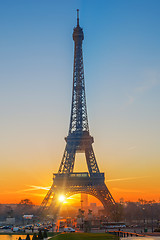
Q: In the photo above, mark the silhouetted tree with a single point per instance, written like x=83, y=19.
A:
x=40, y=235
x=28, y=237
x=45, y=234
x=25, y=207
x=34, y=236
x=26, y=202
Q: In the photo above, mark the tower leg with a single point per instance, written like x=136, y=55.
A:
x=68, y=159
x=91, y=160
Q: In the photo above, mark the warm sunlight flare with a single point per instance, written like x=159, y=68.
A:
x=61, y=198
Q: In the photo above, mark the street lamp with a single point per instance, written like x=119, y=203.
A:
x=144, y=217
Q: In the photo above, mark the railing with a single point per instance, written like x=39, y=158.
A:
x=125, y=234
x=84, y=174
x=77, y=178
x=80, y=174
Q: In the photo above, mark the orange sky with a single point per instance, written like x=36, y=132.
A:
x=25, y=181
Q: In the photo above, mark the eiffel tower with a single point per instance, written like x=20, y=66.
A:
x=66, y=181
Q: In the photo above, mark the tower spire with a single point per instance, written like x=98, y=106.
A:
x=77, y=17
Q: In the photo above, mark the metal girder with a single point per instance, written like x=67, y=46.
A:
x=47, y=200
x=79, y=119
x=76, y=143
x=91, y=160
x=68, y=159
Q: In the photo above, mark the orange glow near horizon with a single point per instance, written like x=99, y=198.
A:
x=129, y=190
x=128, y=174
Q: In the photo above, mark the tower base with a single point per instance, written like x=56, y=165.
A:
x=74, y=183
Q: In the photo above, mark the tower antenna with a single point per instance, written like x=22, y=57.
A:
x=77, y=17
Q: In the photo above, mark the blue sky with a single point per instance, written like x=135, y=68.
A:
x=122, y=62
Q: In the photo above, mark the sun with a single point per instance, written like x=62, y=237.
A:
x=61, y=198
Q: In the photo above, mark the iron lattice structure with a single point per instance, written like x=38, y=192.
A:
x=78, y=139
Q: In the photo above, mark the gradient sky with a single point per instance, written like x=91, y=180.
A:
x=122, y=72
